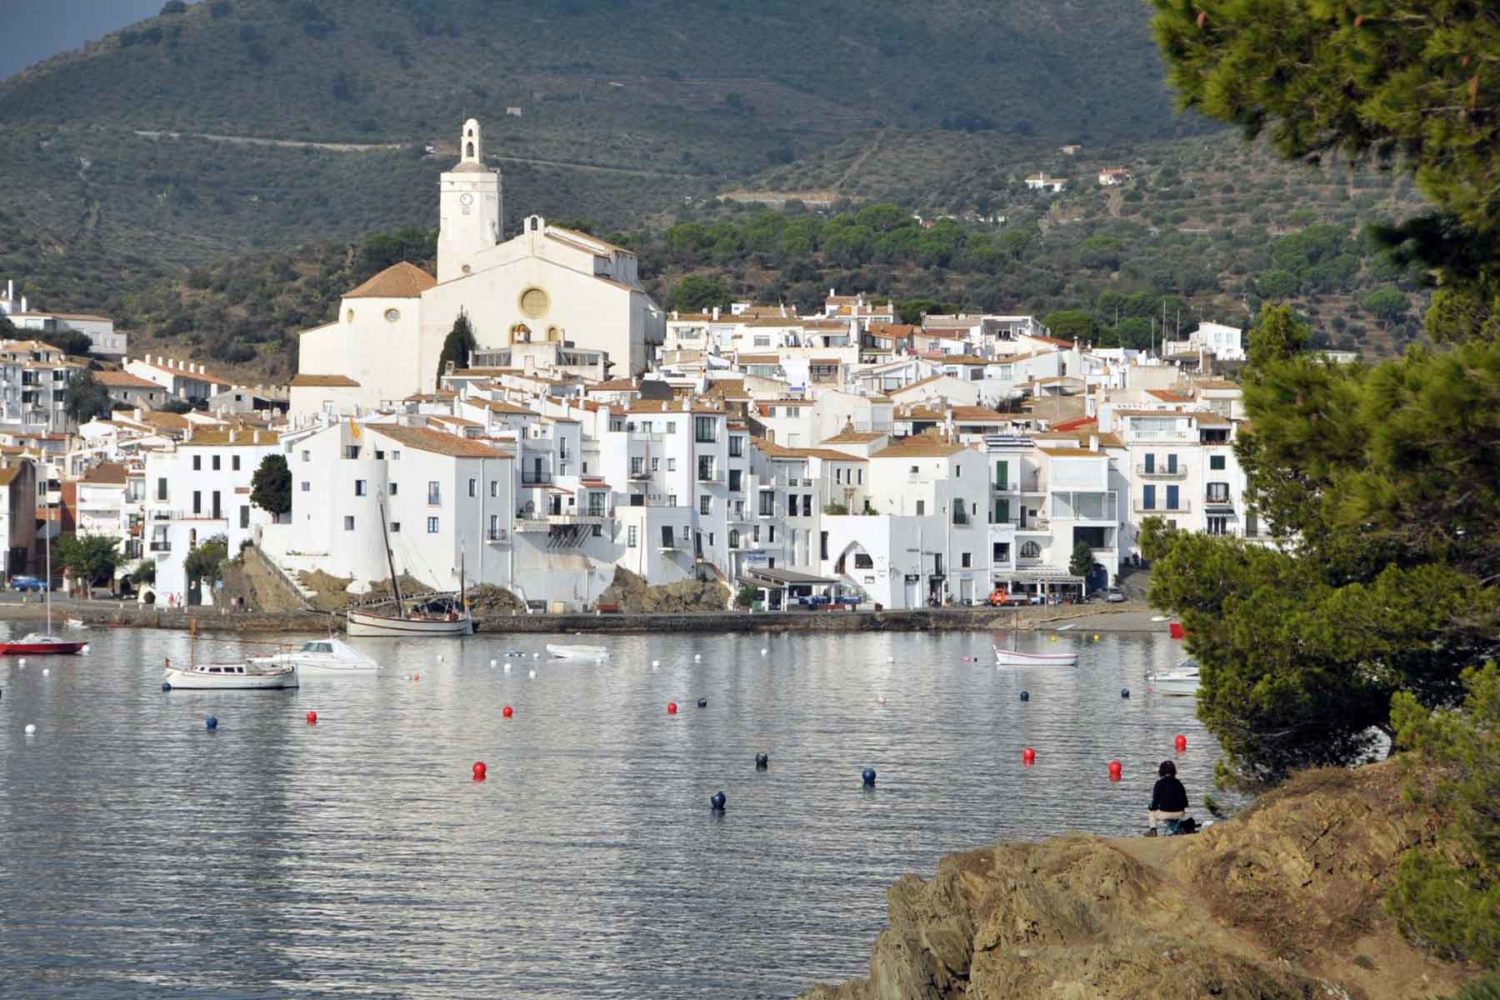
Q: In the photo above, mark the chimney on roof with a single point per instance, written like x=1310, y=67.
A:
x=1093, y=442
x=255, y=436
x=231, y=435
x=716, y=314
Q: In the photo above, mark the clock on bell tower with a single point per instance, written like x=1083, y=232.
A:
x=469, y=207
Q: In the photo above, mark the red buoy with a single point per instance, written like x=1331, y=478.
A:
x=1115, y=770
x=671, y=708
x=1180, y=743
x=479, y=770
x=312, y=718
x=1028, y=756
x=507, y=711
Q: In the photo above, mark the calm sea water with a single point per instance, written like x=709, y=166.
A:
x=141, y=855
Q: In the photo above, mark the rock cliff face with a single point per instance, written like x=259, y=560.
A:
x=1281, y=902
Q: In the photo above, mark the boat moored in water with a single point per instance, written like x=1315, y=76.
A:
x=245, y=675
x=1016, y=658
x=562, y=652
x=321, y=656
x=417, y=624
x=1182, y=680
x=41, y=644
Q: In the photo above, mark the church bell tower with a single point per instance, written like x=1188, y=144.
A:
x=470, y=207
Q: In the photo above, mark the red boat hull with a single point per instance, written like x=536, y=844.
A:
x=39, y=648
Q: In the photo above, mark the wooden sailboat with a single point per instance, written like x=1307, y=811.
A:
x=410, y=622
x=43, y=643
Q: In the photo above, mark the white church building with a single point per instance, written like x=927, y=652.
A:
x=544, y=285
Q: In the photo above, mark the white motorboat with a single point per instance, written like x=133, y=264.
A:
x=1182, y=680
x=1016, y=658
x=321, y=656
x=246, y=675
x=561, y=652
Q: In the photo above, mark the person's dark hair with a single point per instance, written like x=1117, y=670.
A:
x=1167, y=769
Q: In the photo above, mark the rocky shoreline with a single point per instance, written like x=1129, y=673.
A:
x=1085, y=619
x=1283, y=902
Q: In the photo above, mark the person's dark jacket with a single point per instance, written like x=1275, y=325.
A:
x=1169, y=796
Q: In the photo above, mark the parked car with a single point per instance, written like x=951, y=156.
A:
x=29, y=584
x=1114, y=595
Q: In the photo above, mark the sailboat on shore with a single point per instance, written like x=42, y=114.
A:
x=415, y=622
x=43, y=643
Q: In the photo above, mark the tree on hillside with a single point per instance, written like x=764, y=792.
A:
x=7, y=328
x=271, y=486
x=1381, y=484
x=1450, y=898
x=86, y=399
x=696, y=293
x=457, y=346
x=68, y=341
x=91, y=559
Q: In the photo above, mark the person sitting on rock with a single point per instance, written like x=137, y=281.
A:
x=1169, y=800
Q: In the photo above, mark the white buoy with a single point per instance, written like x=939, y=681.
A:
x=536, y=656
x=493, y=662
x=531, y=674
x=46, y=672
x=23, y=661
x=880, y=699
x=30, y=728
x=655, y=663
x=85, y=649
x=764, y=651
x=440, y=657
x=507, y=668
x=890, y=659
x=697, y=657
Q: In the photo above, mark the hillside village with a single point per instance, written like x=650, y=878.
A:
x=798, y=459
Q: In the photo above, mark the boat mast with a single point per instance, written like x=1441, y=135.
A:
x=47, y=590
x=463, y=590
x=390, y=558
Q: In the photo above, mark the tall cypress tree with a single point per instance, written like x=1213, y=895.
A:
x=457, y=347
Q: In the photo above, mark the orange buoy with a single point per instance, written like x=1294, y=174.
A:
x=671, y=708
x=479, y=770
x=312, y=718
x=1116, y=771
x=1180, y=743
x=1028, y=756
x=507, y=711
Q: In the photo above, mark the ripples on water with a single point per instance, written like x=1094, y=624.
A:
x=141, y=855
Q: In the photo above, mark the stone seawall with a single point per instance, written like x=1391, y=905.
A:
x=1107, y=618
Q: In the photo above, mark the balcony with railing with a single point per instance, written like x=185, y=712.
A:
x=497, y=536
x=1161, y=471
x=161, y=546
x=1217, y=498
x=1161, y=506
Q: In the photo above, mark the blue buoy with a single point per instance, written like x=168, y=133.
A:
x=212, y=722
x=166, y=685
x=1124, y=692
x=869, y=777
x=762, y=761
x=702, y=702
x=1025, y=695
x=717, y=802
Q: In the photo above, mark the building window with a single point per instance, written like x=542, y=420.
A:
x=244, y=515
x=671, y=465
x=348, y=522
x=306, y=455
x=632, y=536
x=736, y=445
x=473, y=487
x=822, y=545
x=1148, y=498
x=434, y=494
x=767, y=503
x=234, y=463
x=1030, y=550
x=395, y=527
x=395, y=454
x=1173, y=498
x=705, y=430
x=1218, y=525
x=770, y=534
x=306, y=486
x=351, y=451
x=494, y=488
x=197, y=502
x=395, y=488
x=432, y=525
x=656, y=465
x=161, y=488
x=671, y=427
x=359, y=488
x=705, y=505
x=965, y=560
x=1216, y=463
x=197, y=463
x=706, y=468
x=734, y=538
x=921, y=508
x=1218, y=492
x=734, y=480
x=214, y=460
x=636, y=465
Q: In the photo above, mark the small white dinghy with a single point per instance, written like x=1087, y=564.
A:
x=561, y=652
x=247, y=676
x=1016, y=658
x=321, y=656
x=1182, y=680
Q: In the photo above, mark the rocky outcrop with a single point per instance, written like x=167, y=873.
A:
x=1282, y=902
x=633, y=595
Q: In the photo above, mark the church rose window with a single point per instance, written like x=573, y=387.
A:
x=534, y=302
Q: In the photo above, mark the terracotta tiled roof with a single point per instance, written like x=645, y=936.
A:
x=304, y=380
x=124, y=380
x=8, y=474
x=850, y=436
x=106, y=473
x=230, y=437
x=426, y=439
x=399, y=281
x=977, y=414
x=920, y=446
